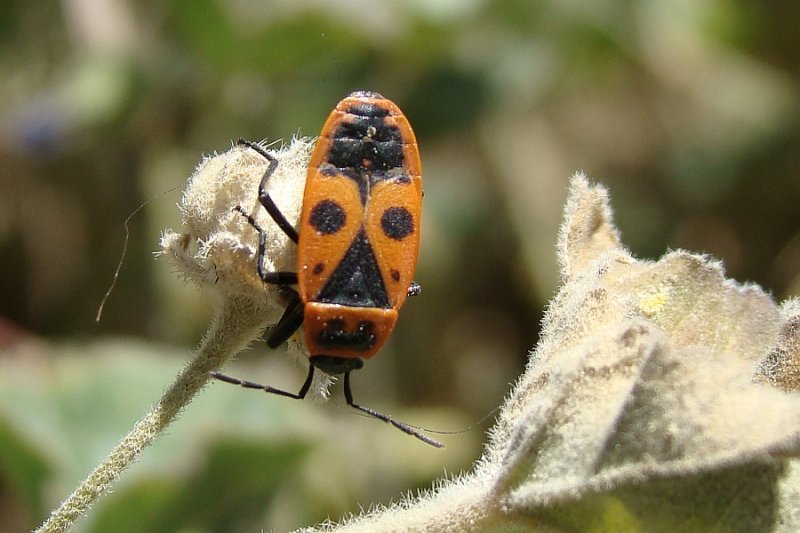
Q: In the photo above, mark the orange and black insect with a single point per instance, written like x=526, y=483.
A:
x=357, y=244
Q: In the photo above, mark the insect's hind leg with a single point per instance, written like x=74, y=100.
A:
x=263, y=196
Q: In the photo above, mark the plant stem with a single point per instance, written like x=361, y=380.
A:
x=238, y=322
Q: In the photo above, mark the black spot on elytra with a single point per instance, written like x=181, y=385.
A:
x=395, y=275
x=327, y=217
x=397, y=223
x=318, y=269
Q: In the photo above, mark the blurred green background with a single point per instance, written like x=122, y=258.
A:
x=688, y=111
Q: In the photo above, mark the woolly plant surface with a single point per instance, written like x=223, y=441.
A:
x=659, y=398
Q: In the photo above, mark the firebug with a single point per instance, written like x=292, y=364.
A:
x=358, y=241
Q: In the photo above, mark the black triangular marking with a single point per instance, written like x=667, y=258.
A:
x=357, y=280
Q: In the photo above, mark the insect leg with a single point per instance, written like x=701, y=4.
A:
x=289, y=323
x=414, y=289
x=263, y=195
x=277, y=278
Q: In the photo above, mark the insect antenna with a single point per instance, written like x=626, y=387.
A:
x=348, y=394
x=402, y=426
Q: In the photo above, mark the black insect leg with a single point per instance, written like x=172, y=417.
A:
x=414, y=289
x=276, y=278
x=290, y=322
x=266, y=388
x=263, y=195
x=405, y=428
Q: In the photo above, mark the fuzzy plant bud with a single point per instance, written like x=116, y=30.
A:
x=639, y=408
x=781, y=366
x=218, y=247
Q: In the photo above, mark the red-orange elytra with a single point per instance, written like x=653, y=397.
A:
x=358, y=241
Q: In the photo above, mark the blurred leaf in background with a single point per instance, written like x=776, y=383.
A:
x=688, y=111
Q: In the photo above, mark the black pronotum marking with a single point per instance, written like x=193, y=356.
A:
x=397, y=223
x=327, y=217
x=334, y=335
x=357, y=280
